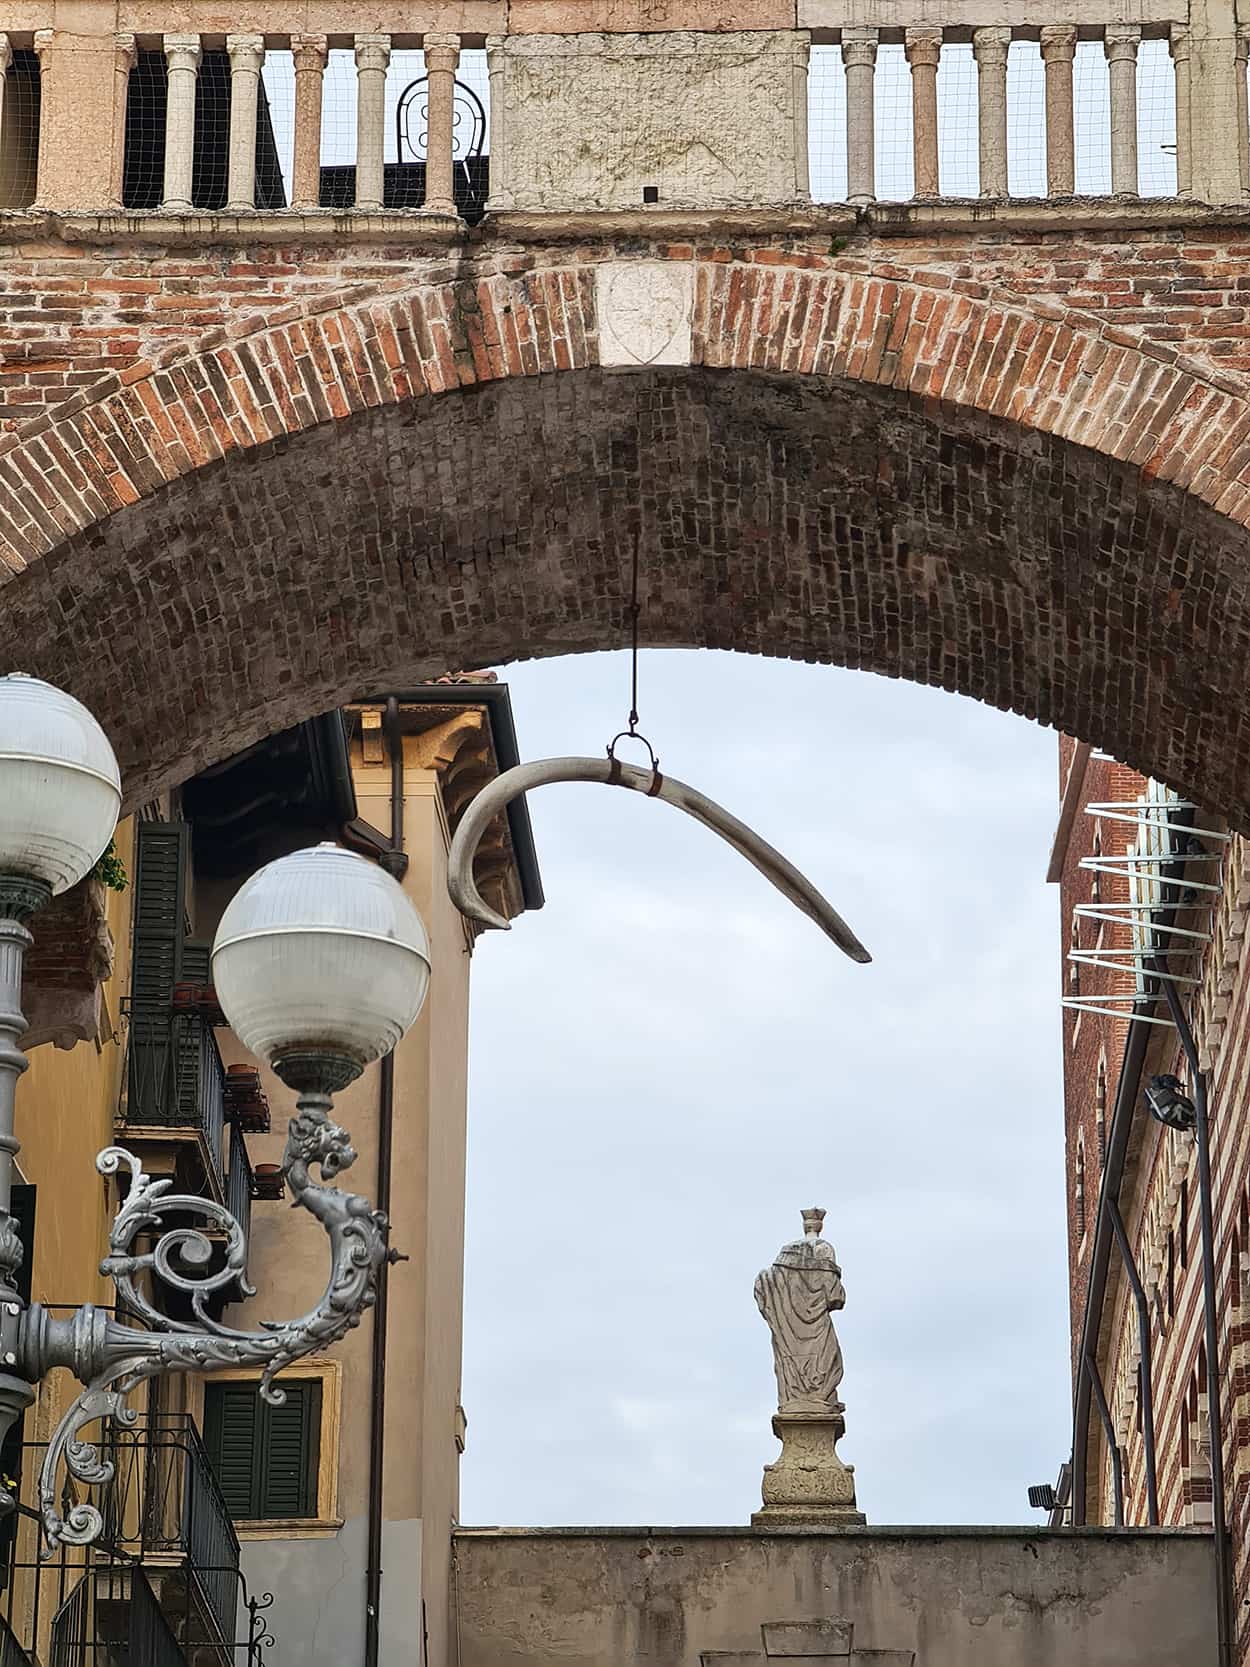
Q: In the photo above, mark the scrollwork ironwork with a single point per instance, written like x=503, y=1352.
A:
x=111, y=1359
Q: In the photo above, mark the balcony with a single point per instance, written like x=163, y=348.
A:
x=161, y=1589
x=175, y=1093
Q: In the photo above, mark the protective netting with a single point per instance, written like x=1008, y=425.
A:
x=19, y=132
x=404, y=130
x=146, y=118
x=404, y=148
x=959, y=171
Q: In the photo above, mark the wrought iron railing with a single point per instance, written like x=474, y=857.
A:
x=240, y=1184
x=164, y=1499
x=175, y=1078
x=11, y=1652
x=152, y=1643
x=162, y=1586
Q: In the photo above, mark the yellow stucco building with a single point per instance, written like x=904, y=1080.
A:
x=341, y=1503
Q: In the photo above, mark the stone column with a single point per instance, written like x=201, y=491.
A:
x=182, y=59
x=1120, y=43
x=126, y=54
x=1058, y=51
x=6, y=58
x=989, y=48
x=442, y=59
x=373, y=55
x=859, y=54
x=1178, y=46
x=1243, y=104
x=924, y=48
x=247, y=54
x=309, y=53
x=45, y=51
x=499, y=197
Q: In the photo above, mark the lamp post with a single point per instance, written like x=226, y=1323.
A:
x=321, y=964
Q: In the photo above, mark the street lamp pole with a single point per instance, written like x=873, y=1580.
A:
x=321, y=964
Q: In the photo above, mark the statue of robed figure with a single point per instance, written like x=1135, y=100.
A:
x=809, y=1484
x=796, y=1295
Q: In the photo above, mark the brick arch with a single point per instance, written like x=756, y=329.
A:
x=171, y=516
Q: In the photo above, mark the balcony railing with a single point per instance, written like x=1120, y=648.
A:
x=112, y=1615
x=161, y=1588
x=908, y=102
x=164, y=1500
x=240, y=1183
x=175, y=1078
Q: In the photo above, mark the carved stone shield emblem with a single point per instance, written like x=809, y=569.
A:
x=644, y=312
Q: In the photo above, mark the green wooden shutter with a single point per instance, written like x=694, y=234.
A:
x=162, y=862
x=196, y=957
x=265, y=1457
x=231, y=1432
x=161, y=865
x=289, y=1453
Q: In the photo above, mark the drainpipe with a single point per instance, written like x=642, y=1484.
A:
x=1219, y=1522
x=395, y=862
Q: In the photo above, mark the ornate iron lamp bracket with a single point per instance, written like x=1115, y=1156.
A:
x=111, y=1358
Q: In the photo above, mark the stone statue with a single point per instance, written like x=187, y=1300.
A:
x=796, y=1295
x=808, y=1485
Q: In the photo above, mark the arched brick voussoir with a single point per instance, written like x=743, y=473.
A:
x=1058, y=372
x=1046, y=368
x=121, y=440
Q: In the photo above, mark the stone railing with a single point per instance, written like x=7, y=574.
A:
x=672, y=118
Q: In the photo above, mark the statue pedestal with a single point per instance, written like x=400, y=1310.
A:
x=809, y=1486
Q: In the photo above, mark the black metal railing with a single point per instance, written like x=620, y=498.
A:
x=11, y=1652
x=112, y=1616
x=146, y=1594
x=165, y=1500
x=152, y=1643
x=240, y=1184
x=174, y=1077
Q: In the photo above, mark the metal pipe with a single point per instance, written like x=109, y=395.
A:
x=1219, y=1521
x=1143, y=1371
x=395, y=862
x=1113, y=1446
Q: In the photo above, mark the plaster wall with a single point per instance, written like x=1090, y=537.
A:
x=930, y=1597
x=317, y=1569
x=589, y=121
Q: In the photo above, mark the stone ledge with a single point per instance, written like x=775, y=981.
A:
x=441, y=231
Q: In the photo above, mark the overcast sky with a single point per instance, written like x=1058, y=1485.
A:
x=669, y=1062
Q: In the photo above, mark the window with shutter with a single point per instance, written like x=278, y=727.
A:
x=265, y=1457
x=161, y=866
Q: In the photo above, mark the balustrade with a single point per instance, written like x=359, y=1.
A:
x=280, y=109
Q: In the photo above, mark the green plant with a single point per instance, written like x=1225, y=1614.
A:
x=110, y=870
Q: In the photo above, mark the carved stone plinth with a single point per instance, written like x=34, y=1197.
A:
x=809, y=1486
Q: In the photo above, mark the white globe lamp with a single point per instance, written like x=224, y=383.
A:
x=320, y=963
x=60, y=791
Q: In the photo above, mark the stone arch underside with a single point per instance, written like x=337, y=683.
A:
x=810, y=517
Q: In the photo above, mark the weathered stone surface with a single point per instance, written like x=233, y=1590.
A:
x=953, y=1597
x=644, y=310
x=597, y=120
x=809, y=1485
x=807, y=1638
x=555, y=17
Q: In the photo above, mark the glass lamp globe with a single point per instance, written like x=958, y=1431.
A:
x=60, y=788
x=320, y=963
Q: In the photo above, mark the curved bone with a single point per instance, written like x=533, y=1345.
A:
x=525, y=777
